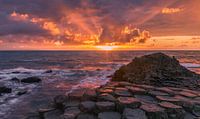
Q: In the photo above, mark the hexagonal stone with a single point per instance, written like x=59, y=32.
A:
x=76, y=95
x=55, y=114
x=136, y=90
x=158, y=93
x=71, y=113
x=165, y=89
x=109, y=115
x=87, y=106
x=123, y=84
x=188, y=94
x=105, y=106
x=169, y=105
x=107, y=97
x=146, y=99
x=189, y=116
x=148, y=87
x=72, y=104
x=86, y=116
x=105, y=91
x=168, y=99
x=174, y=111
x=129, y=113
x=154, y=111
x=128, y=102
x=90, y=95
x=196, y=110
x=122, y=92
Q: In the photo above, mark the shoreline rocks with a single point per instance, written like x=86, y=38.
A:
x=159, y=70
x=150, y=87
x=136, y=106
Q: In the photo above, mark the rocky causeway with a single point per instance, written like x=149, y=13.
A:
x=154, y=86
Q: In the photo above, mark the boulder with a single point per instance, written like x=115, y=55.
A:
x=4, y=89
x=55, y=114
x=127, y=102
x=157, y=69
x=105, y=106
x=15, y=79
x=154, y=111
x=107, y=97
x=109, y=115
x=59, y=101
x=86, y=116
x=129, y=113
x=31, y=80
x=87, y=106
x=71, y=113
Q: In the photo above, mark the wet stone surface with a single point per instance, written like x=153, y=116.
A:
x=126, y=101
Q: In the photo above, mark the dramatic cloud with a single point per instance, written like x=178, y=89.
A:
x=94, y=22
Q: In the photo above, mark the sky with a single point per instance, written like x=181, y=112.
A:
x=93, y=24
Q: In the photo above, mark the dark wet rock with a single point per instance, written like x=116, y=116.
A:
x=107, y=97
x=124, y=83
x=188, y=94
x=86, y=116
x=136, y=90
x=122, y=92
x=55, y=114
x=76, y=95
x=166, y=90
x=128, y=102
x=22, y=91
x=31, y=80
x=174, y=111
x=16, y=72
x=105, y=106
x=158, y=93
x=48, y=71
x=59, y=101
x=71, y=113
x=168, y=99
x=105, y=91
x=15, y=79
x=72, y=104
x=33, y=116
x=4, y=89
x=87, y=106
x=196, y=110
x=146, y=99
x=157, y=69
x=129, y=113
x=154, y=111
x=189, y=116
x=109, y=115
x=90, y=95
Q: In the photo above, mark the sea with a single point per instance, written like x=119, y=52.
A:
x=62, y=72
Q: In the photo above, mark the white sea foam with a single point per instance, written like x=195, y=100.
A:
x=190, y=65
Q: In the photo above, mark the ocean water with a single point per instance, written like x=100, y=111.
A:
x=70, y=70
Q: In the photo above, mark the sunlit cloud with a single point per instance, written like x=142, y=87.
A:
x=171, y=10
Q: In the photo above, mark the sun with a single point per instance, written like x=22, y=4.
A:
x=107, y=48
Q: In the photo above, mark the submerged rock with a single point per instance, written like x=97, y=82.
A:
x=157, y=69
x=31, y=80
x=4, y=89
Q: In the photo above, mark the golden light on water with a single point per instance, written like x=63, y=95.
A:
x=107, y=48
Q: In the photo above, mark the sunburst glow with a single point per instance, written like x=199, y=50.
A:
x=108, y=48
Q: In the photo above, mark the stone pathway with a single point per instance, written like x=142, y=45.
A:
x=123, y=100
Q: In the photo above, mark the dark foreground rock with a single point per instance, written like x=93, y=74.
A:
x=157, y=69
x=152, y=87
x=31, y=80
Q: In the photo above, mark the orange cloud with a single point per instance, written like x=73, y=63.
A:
x=19, y=17
x=171, y=10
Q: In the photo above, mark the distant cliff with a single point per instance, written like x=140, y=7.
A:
x=157, y=69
